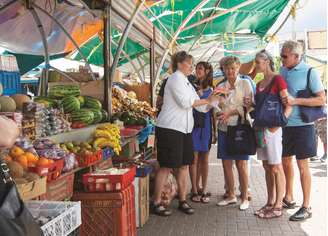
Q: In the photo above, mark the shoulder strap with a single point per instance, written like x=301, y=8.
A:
x=269, y=87
x=308, y=78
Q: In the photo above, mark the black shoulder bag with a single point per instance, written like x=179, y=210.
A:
x=310, y=114
x=15, y=219
x=241, y=138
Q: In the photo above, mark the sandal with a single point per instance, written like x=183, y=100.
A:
x=263, y=209
x=194, y=197
x=270, y=214
x=200, y=192
x=161, y=210
x=186, y=208
x=288, y=204
x=205, y=198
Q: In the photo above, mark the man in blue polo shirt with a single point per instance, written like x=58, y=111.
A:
x=299, y=137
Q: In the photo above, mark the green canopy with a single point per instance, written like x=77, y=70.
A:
x=93, y=50
x=28, y=62
x=252, y=20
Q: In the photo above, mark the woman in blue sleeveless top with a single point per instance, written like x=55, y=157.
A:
x=202, y=136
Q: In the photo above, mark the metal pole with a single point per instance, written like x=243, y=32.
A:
x=152, y=67
x=131, y=62
x=201, y=34
x=68, y=35
x=43, y=81
x=107, y=53
x=176, y=34
x=246, y=3
x=124, y=37
x=143, y=71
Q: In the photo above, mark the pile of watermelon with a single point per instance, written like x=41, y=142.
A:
x=84, y=110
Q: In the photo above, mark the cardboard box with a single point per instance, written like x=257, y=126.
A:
x=32, y=189
x=142, y=91
x=141, y=185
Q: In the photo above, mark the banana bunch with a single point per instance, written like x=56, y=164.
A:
x=108, y=135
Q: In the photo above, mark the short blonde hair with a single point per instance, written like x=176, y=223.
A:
x=229, y=60
x=294, y=47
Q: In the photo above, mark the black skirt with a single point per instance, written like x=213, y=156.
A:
x=174, y=148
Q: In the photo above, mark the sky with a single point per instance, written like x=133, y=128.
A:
x=312, y=16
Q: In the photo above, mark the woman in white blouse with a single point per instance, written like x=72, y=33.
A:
x=173, y=131
x=236, y=89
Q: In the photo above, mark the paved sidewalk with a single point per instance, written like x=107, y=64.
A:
x=212, y=220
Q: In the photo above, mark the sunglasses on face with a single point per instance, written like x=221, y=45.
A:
x=283, y=56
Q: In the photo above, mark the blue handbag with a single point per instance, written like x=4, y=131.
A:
x=269, y=110
x=310, y=114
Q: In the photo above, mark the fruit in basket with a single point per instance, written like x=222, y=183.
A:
x=104, y=115
x=61, y=91
x=16, y=151
x=84, y=115
x=20, y=99
x=81, y=100
x=22, y=160
x=44, y=162
x=97, y=116
x=15, y=169
x=69, y=145
x=91, y=102
x=70, y=104
x=48, y=102
x=7, y=104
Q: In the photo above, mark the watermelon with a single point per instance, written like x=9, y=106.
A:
x=93, y=103
x=104, y=115
x=85, y=116
x=61, y=91
x=97, y=115
x=70, y=104
x=81, y=99
x=48, y=102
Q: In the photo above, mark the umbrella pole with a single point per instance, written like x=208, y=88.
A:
x=152, y=67
x=68, y=35
x=124, y=37
x=107, y=58
x=43, y=81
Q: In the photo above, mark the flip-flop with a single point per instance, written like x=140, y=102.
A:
x=288, y=204
x=270, y=214
x=263, y=209
x=205, y=198
x=193, y=197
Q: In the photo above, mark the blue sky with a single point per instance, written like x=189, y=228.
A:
x=312, y=16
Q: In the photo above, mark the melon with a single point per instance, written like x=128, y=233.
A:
x=20, y=99
x=7, y=104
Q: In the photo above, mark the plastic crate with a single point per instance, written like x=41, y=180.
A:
x=52, y=172
x=89, y=160
x=10, y=82
x=60, y=189
x=67, y=216
x=94, y=182
x=108, y=213
x=127, y=132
